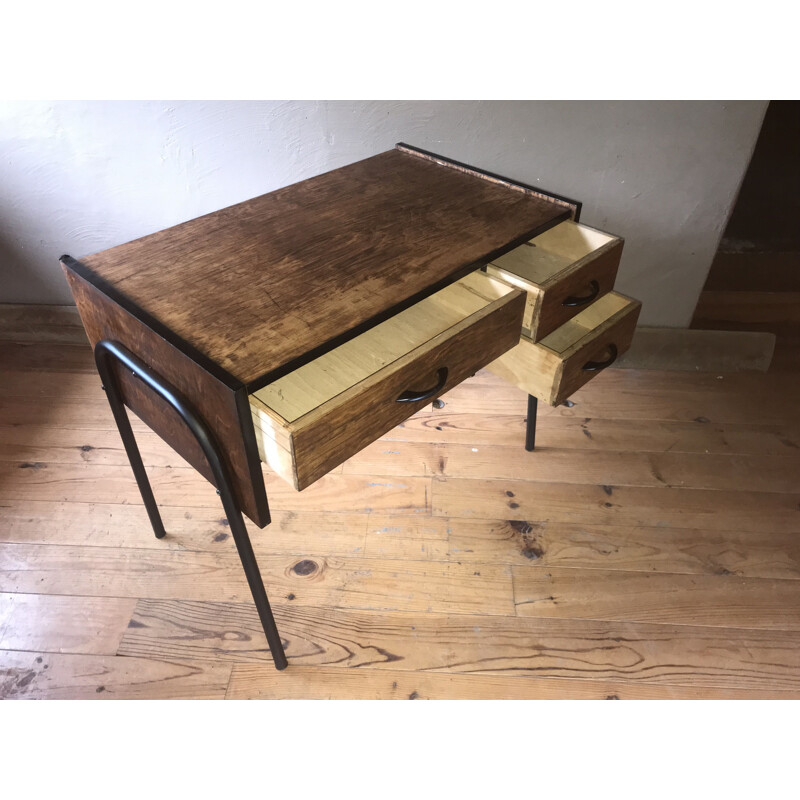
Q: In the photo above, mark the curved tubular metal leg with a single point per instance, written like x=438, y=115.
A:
x=107, y=351
x=530, y=426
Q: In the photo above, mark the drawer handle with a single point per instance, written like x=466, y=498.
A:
x=413, y=396
x=596, y=366
x=573, y=301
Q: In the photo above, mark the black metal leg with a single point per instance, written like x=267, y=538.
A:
x=530, y=427
x=257, y=589
x=106, y=351
x=134, y=456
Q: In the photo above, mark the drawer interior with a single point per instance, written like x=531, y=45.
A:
x=328, y=376
x=543, y=258
x=586, y=325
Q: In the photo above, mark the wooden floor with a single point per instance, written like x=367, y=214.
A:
x=755, y=291
x=649, y=548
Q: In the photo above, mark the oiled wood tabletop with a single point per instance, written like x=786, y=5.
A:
x=262, y=286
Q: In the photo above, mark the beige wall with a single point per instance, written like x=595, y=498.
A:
x=78, y=177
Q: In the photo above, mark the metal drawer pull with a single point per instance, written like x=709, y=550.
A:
x=413, y=396
x=596, y=366
x=573, y=301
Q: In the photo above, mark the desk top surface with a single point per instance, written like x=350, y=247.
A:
x=265, y=285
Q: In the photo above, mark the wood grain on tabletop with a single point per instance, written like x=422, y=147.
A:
x=361, y=241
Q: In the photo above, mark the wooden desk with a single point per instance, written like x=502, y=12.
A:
x=297, y=327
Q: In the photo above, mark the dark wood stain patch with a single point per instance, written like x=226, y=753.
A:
x=530, y=546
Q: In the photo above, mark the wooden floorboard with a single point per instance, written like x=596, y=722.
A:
x=60, y=445
x=616, y=505
x=58, y=676
x=45, y=355
x=648, y=549
x=260, y=682
x=44, y=383
x=606, y=467
x=727, y=601
x=749, y=306
x=587, y=433
x=748, y=271
x=125, y=525
x=693, y=551
x=637, y=653
x=657, y=399
x=89, y=625
x=35, y=323
x=756, y=291
x=308, y=579
x=186, y=488
x=82, y=413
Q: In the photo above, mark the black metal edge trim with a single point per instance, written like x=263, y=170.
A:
x=299, y=361
x=253, y=458
x=577, y=205
x=222, y=375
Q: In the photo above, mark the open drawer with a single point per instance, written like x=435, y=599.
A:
x=562, y=270
x=311, y=420
x=555, y=367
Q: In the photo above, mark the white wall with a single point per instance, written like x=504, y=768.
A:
x=78, y=177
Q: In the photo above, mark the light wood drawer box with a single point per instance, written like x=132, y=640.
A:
x=562, y=270
x=311, y=420
x=558, y=365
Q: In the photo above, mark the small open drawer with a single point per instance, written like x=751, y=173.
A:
x=311, y=420
x=555, y=367
x=562, y=270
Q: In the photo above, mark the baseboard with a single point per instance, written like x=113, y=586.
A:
x=699, y=350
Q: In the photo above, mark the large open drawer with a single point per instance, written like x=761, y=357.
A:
x=311, y=420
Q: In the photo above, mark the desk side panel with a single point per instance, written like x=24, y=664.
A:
x=218, y=404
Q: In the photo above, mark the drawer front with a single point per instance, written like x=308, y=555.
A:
x=587, y=282
x=563, y=271
x=571, y=356
x=321, y=439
